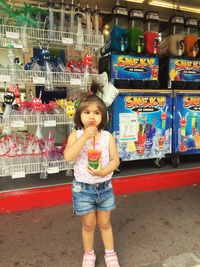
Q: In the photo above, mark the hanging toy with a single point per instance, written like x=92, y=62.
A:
x=87, y=62
x=9, y=98
x=17, y=95
x=72, y=8
x=37, y=107
x=96, y=20
x=11, y=63
x=80, y=37
x=88, y=12
x=51, y=20
x=46, y=57
x=70, y=109
x=33, y=65
x=62, y=16
x=48, y=146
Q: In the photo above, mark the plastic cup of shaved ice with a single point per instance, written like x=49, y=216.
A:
x=93, y=158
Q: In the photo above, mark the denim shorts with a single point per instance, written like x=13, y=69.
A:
x=90, y=197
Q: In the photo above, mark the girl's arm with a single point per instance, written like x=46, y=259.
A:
x=75, y=145
x=114, y=160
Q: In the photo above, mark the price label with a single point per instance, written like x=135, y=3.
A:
x=18, y=45
x=39, y=80
x=5, y=78
x=75, y=81
x=67, y=40
x=12, y=35
x=52, y=170
x=17, y=124
x=16, y=175
x=51, y=123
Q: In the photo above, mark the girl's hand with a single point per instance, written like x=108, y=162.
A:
x=96, y=172
x=90, y=131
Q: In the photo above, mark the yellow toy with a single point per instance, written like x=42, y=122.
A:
x=70, y=109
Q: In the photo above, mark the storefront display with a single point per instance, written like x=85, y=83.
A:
x=54, y=59
x=142, y=124
x=49, y=57
x=186, y=126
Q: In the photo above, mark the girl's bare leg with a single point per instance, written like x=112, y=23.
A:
x=103, y=220
x=88, y=227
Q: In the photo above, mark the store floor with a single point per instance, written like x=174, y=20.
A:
x=154, y=229
x=127, y=169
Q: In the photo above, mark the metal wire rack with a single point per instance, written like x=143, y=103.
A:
x=70, y=80
x=55, y=38
x=47, y=120
x=20, y=170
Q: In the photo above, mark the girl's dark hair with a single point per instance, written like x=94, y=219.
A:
x=86, y=101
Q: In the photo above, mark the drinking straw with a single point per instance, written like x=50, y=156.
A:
x=93, y=139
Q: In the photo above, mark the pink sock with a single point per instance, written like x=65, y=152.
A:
x=89, y=252
x=109, y=251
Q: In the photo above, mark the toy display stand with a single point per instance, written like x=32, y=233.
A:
x=39, y=122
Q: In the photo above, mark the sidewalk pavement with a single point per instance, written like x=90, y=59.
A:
x=151, y=229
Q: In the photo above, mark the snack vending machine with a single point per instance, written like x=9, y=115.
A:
x=141, y=123
x=186, y=125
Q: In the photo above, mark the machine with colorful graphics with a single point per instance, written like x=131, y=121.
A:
x=136, y=31
x=183, y=74
x=183, y=68
x=186, y=125
x=129, y=71
x=117, y=40
x=142, y=124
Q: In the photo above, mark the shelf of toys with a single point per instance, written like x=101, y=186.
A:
x=42, y=56
x=73, y=80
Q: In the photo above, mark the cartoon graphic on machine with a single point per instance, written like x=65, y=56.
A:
x=142, y=126
x=151, y=33
x=117, y=39
x=136, y=31
x=186, y=130
x=182, y=73
x=131, y=71
x=185, y=70
x=172, y=43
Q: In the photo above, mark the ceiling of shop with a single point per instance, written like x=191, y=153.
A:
x=106, y=5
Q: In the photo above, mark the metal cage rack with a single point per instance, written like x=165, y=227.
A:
x=54, y=38
x=47, y=120
x=71, y=80
x=20, y=170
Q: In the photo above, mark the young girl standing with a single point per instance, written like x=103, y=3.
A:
x=93, y=198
